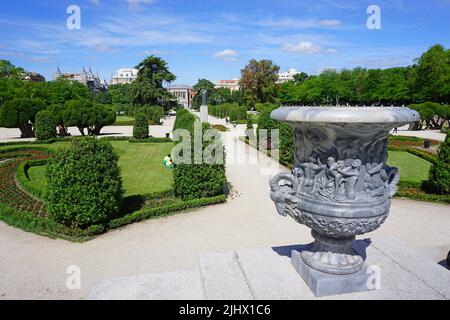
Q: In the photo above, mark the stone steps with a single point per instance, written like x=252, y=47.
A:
x=268, y=274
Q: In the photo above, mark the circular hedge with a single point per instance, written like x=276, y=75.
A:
x=84, y=183
x=140, y=127
x=45, y=125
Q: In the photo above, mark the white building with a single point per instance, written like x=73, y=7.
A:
x=182, y=93
x=124, y=75
x=287, y=76
x=233, y=84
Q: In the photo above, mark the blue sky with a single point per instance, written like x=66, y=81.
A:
x=214, y=39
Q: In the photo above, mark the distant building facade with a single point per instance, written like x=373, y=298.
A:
x=287, y=76
x=33, y=77
x=182, y=93
x=233, y=84
x=87, y=78
x=124, y=75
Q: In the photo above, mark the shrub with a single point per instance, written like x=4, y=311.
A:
x=249, y=130
x=234, y=115
x=84, y=183
x=193, y=180
x=45, y=125
x=140, y=127
x=439, y=176
x=285, y=134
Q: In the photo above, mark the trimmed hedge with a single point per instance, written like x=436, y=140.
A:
x=45, y=125
x=197, y=180
x=22, y=176
x=164, y=210
x=286, y=145
x=84, y=183
x=50, y=228
x=140, y=127
x=70, y=139
x=421, y=154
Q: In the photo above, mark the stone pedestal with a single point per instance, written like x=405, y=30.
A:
x=325, y=284
x=204, y=113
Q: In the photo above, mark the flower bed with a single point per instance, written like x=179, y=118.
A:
x=11, y=194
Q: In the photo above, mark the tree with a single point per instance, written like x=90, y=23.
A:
x=62, y=90
x=140, y=127
x=120, y=93
x=8, y=70
x=84, y=186
x=45, y=125
x=83, y=114
x=258, y=81
x=432, y=81
x=148, y=86
x=20, y=113
x=300, y=77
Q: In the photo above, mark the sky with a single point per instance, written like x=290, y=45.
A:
x=215, y=39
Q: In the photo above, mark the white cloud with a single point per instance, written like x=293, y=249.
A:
x=305, y=47
x=95, y=1
x=291, y=23
x=154, y=52
x=227, y=55
x=331, y=50
x=40, y=59
x=330, y=23
x=136, y=5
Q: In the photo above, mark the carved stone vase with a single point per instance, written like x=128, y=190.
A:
x=340, y=186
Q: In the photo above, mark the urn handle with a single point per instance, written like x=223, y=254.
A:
x=393, y=176
x=283, y=187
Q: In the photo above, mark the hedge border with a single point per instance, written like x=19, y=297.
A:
x=47, y=227
x=22, y=177
x=421, y=154
x=70, y=139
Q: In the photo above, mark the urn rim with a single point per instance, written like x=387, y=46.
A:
x=381, y=115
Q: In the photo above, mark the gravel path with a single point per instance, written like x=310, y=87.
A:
x=35, y=267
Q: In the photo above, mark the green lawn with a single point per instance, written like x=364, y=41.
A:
x=142, y=168
x=141, y=165
x=411, y=167
x=122, y=120
x=37, y=178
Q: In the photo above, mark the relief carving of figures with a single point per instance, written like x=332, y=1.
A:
x=350, y=177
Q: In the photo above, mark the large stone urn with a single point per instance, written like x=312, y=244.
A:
x=340, y=186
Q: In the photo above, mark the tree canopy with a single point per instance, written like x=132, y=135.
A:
x=148, y=87
x=258, y=81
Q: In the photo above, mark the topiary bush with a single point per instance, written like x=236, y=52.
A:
x=285, y=134
x=45, y=125
x=192, y=180
x=140, y=127
x=439, y=176
x=84, y=183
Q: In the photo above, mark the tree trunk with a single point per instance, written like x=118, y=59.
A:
x=81, y=129
x=96, y=130
x=26, y=130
